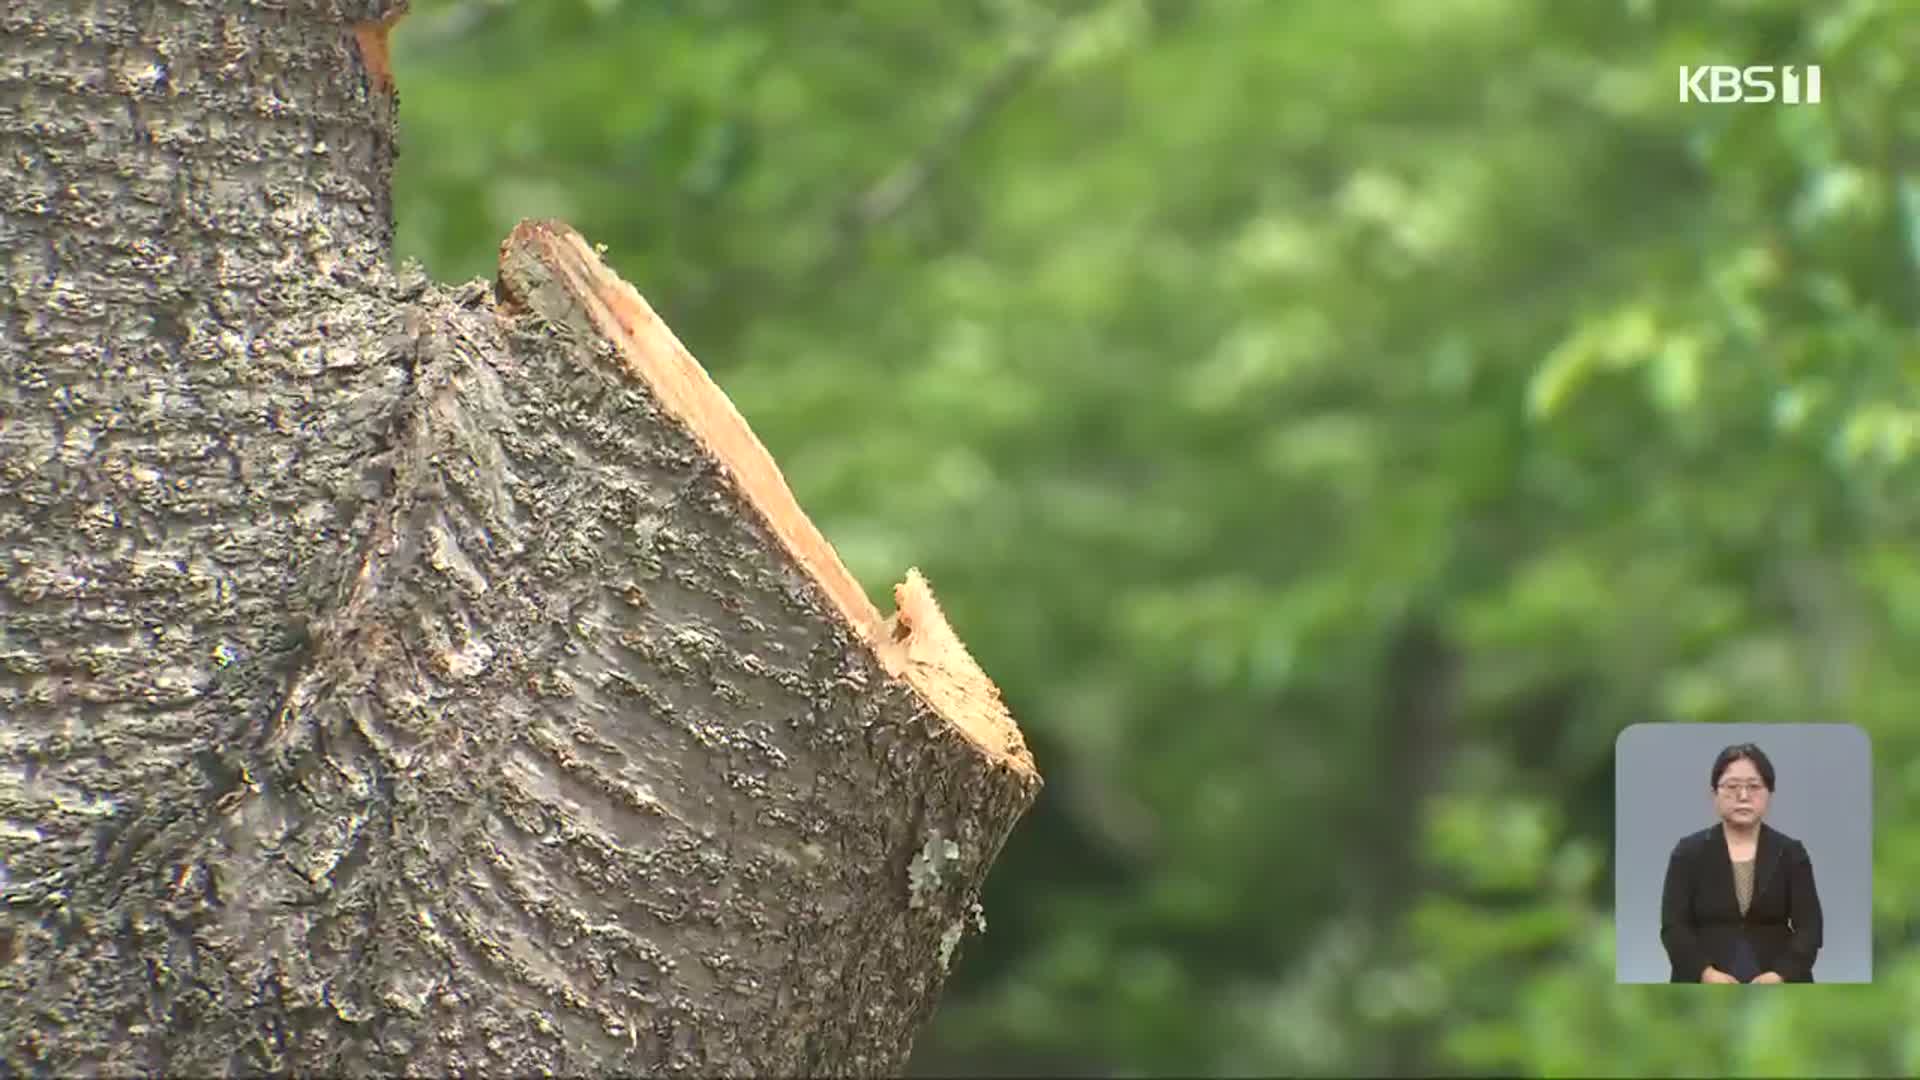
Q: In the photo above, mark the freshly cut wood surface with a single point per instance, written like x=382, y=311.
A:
x=548, y=268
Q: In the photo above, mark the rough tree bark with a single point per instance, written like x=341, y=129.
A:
x=413, y=679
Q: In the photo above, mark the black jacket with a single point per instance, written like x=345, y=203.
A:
x=1700, y=916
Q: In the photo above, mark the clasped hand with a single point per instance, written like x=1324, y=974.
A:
x=1715, y=975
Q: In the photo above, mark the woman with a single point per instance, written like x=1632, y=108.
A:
x=1739, y=904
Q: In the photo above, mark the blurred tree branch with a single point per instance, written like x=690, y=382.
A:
x=1035, y=40
x=893, y=192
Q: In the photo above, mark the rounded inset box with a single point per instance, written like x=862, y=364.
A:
x=1743, y=853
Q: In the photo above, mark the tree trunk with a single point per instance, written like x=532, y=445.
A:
x=415, y=680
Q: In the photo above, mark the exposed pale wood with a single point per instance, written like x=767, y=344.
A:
x=916, y=643
x=376, y=53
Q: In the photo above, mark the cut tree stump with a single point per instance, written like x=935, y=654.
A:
x=547, y=269
x=405, y=679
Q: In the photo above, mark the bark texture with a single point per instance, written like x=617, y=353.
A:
x=415, y=680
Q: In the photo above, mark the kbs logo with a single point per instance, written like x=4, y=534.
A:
x=1722, y=84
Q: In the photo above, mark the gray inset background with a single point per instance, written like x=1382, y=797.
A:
x=1823, y=797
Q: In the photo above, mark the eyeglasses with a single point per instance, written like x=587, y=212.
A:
x=1736, y=790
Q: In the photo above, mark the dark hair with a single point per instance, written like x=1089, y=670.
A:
x=1751, y=753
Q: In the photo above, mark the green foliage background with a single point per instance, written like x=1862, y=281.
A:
x=1330, y=423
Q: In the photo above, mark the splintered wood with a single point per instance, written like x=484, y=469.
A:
x=376, y=55
x=547, y=267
